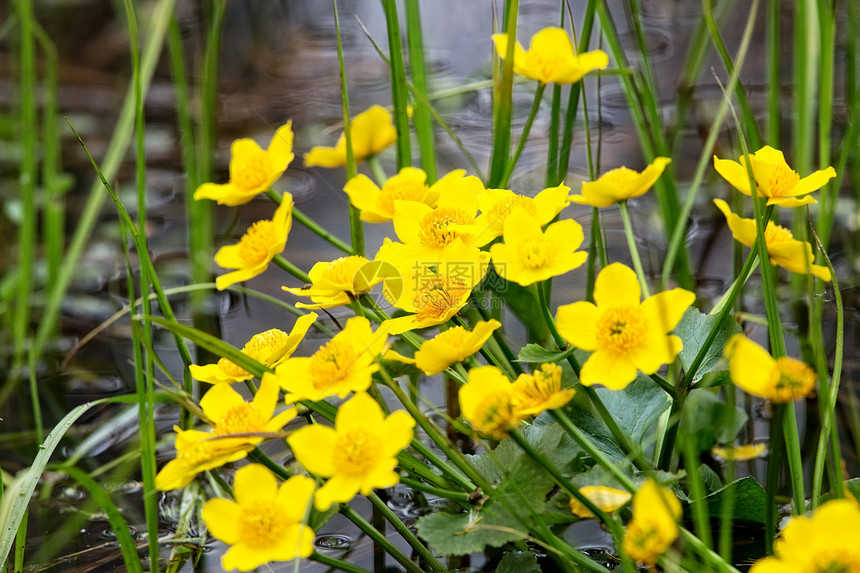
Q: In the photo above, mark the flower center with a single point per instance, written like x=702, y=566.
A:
x=644, y=542
x=495, y=415
x=256, y=242
x=232, y=369
x=197, y=453
x=263, y=347
x=455, y=337
x=330, y=363
x=399, y=188
x=262, y=523
x=621, y=328
x=836, y=561
x=782, y=179
x=774, y=233
x=500, y=211
x=438, y=296
x=541, y=384
x=433, y=229
x=355, y=452
x=239, y=419
x=535, y=252
x=792, y=379
x=251, y=171
x=619, y=177
x=546, y=63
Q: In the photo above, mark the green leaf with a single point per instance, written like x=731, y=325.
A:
x=521, y=302
x=537, y=354
x=637, y=407
x=693, y=330
x=463, y=533
x=750, y=500
x=518, y=562
x=708, y=421
x=710, y=479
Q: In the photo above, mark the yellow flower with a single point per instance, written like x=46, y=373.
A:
x=825, y=542
x=782, y=248
x=269, y=348
x=551, y=57
x=377, y=205
x=606, y=498
x=433, y=297
x=437, y=234
x=620, y=184
x=756, y=372
x=487, y=402
x=333, y=282
x=259, y=245
x=541, y=390
x=773, y=177
x=448, y=347
x=530, y=255
x=371, y=131
x=358, y=454
x=623, y=334
x=741, y=453
x=654, y=526
x=345, y=364
x=265, y=523
x=496, y=204
x=229, y=414
x=252, y=170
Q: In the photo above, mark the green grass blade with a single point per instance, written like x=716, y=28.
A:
x=117, y=522
x=18, y=495
x=398, y=84
x=503, y=91
x=421, y=114
x=774, y=74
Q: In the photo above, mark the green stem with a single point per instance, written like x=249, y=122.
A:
x=667, y=447
x=503, y=89
x=523, y=138
x=312, y=225
x=634, y=250
x=381, y=540
x=336, y=564
x=407, y=535
x=464, y=499
x=292, y=269
x=376, y=169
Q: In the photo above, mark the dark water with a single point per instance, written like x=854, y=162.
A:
x=279, y=62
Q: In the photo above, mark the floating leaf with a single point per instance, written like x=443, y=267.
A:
x=462, y=533
x=518, y=562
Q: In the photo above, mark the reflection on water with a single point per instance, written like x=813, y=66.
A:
x=279, y=62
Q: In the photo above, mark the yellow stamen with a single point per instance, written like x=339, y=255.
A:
x=331, y=362
x=232, y=369
x=433, y=229
x=356, y=451
x=251, y=171
x=437, y=296
x=535, y=251
x=239, y=419
x=781, y=181
x=621, y=328
x=401, y=188
x=262, y=523
x=256, y=242
x=792, y=379
x=500, y=211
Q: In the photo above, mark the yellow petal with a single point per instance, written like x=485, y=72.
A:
x=222, y=518
x=617, y=285
x=363, y=193
x=668, y=307
x=577, y=323
x=743, y=230
x=320, y=156
x=733, y=172
x=609, y=369
x=751, y=367
x=254, y=483
x=219, y=400
x=645, y=180
x=814, y=181
x=313, y=446
x=339, y=489
x=295, y=495
x=372, y=131
x=281, y=148
x=360, y=411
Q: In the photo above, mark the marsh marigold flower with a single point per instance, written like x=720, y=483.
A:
x=530, y=255
x=358, y=455
x=487, y=402
x=344, y=364
x=756, y=372
x=496, y=204
x=436, y=234
x=257, y=247
x=774, y=179
x=433, y=297
x=605, y=498
x=333, y=282
x=551, y=57
x=620, y=184
x=265, y=523
x=827, y=542
x=449, y=347
x=623, y=334
x=782, y=248
x=540, y=391
x=269, y=348
x=252, y=170
x=410, y=184
x=654, y=526
x=229, y=414
x=371, y=131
